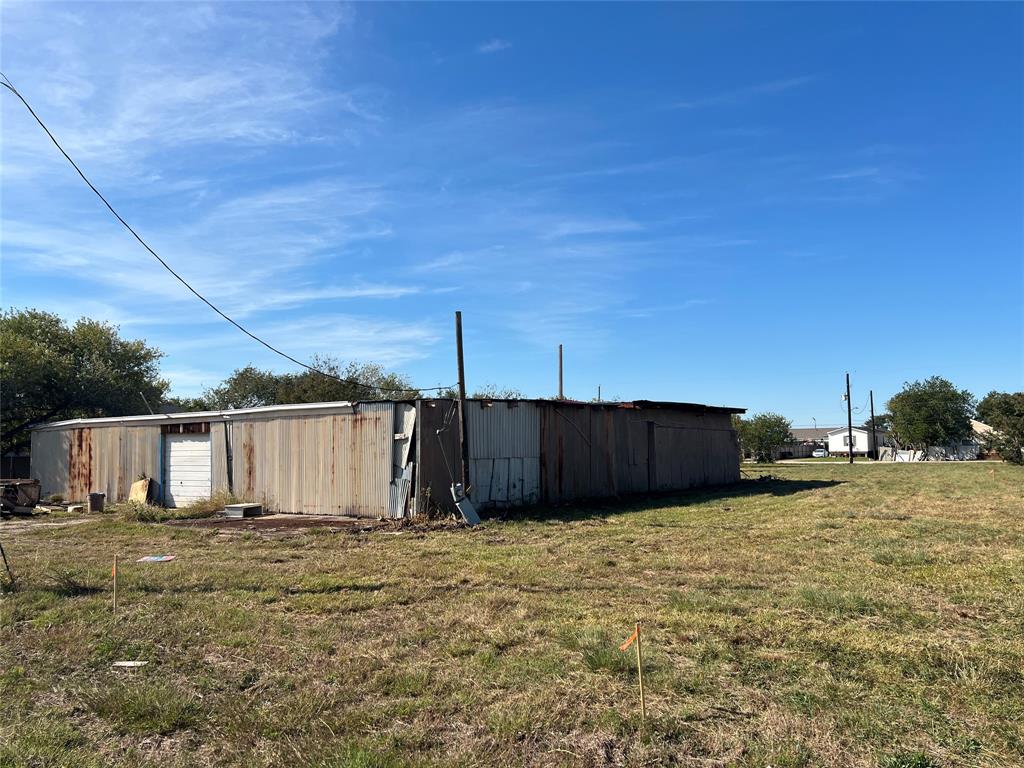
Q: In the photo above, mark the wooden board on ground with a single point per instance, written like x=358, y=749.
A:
x=140, y=490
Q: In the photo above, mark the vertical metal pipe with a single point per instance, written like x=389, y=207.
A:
x=873, y=441
x=561, y=392
x=849, y=419
x=463, y=439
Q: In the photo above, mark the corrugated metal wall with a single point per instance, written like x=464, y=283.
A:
x=76, y=462
x=338, y=464
x=438, y=457
x=504, y=452
x=49, y=463
x=345, y=462
x=590, y=451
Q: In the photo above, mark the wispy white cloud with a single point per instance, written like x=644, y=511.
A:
x=854, y=173
x=592, y=226
x=742, y=95
x=493, y=45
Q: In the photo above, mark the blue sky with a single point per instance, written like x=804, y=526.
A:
x=731, y=204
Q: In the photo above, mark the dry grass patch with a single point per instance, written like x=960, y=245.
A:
x=835, y=616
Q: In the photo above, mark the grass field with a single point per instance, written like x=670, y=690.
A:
x=835, y=616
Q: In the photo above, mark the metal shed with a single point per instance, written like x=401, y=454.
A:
x=524, y=452
x=321, y=458
x=390, y=458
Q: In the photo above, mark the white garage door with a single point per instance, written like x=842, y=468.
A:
x=188, y=469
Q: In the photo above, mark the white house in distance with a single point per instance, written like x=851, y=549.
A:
x=839, y=441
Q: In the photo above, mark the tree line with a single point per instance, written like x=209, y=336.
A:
x=922, y=415
x=51, y=370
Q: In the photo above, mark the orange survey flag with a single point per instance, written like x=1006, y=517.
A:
x=630, y=640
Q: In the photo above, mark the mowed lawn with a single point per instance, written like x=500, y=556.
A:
x=834, y=616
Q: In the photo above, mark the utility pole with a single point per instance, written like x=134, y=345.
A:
x=561, y=392
x=849, y=418
x=873, y=443
x=463, y=441
x=599, y=393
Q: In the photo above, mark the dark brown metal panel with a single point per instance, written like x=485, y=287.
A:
x=603, y=453
x=566, y=452
x=434, y=476
x=80, y=464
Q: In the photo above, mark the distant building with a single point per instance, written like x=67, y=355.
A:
x=801, y=445
x=816, y=435
x=839, y=441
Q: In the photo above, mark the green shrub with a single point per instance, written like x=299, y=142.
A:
x=137, y=511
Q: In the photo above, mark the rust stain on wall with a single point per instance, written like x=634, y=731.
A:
x=80, y=464
x=249, y=451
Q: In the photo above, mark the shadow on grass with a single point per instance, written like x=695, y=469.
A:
x=593, y=508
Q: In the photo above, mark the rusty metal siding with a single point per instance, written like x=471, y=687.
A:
x=80, y=464
x=76, y=462
x=504, y=452
x=336, y=464
x=590, y=451
x=438, y=460
x=120, y=456
x=49, y=463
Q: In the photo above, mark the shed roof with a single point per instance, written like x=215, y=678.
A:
x=299, y=409
x=292, y=409
x=663, y=404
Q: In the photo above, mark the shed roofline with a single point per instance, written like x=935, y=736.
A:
x=292, y=409
x=297, y=409
x=664, y=404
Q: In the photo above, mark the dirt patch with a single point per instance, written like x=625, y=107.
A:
x=23, y=524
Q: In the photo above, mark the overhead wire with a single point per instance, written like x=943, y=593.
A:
x=372, y=387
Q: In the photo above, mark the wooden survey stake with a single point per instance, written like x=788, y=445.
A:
x=114, y=574
x=635, y=638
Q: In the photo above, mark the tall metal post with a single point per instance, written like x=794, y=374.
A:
x=874, y=439
x=463, y=439
x=849, y=419
x=561, y=392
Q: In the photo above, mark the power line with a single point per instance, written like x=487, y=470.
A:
x=373, y=387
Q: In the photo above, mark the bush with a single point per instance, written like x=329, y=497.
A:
x=763, y=435
x=137, y=511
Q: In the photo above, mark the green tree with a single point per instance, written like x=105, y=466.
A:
x=930, y=413
x=50, y=371
x=494, y=392
x=247, y=387
x=1004, y=412
x=883, y=422
x=486, y=392
x=763, y=434
x=251, y=387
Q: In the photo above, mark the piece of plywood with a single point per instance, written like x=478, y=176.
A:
x=140, y=490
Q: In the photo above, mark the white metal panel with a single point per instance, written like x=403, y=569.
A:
x=189, y=468
x=405, y=421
